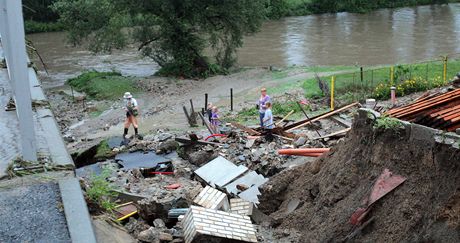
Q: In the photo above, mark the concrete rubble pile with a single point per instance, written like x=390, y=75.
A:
x=188, y=187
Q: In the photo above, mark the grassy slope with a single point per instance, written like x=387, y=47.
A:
x=103, y=85
x=348, y=90
x=372, y=76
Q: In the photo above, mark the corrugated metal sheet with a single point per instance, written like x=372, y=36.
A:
x=440, y=111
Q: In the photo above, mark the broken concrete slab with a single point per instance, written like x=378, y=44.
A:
x=219, y=172
x=140, y=160
x=250, y=179
x=241, y=206
x=205, y=225
x=115, y=142
x=111, y=233
x=251, y=195
x=213, y=199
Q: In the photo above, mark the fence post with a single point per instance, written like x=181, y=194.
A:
x=444, y=73
x=206, y=101
x=426, y=75
x=73, y=96
x=231, y=99
x=362, y=74
x=372, y=78
x=332, y=92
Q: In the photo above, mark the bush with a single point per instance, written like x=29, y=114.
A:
x=37, y=27
x=100, y=191
x=388, y=123
x=383, y=91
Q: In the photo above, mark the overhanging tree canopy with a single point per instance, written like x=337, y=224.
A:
x=174, y=33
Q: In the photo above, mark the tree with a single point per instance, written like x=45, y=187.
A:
x=39, y=10
x=174, y=33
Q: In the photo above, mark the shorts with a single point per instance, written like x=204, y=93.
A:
x=134, y=113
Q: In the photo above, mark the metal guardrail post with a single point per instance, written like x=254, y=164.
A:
x=13, y=32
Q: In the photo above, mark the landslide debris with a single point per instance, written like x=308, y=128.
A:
x=423, y=209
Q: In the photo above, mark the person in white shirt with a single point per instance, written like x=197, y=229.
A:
x=132, y=111
x=268, y=122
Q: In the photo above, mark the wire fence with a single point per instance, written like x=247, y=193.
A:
x=406, y=78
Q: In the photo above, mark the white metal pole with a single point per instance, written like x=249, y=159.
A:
x=3, y=24
x=19, y=74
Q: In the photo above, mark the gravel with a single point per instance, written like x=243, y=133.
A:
x=32, y=214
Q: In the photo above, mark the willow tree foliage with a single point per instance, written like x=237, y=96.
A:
x=176, y=34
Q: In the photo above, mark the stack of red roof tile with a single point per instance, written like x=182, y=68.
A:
x=441, y=111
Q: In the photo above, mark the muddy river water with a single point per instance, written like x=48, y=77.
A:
x=380, y=37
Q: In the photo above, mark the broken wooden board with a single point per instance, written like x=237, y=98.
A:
x=343, y=122
x=251, y=132
x=335, y=134
x=317, y=118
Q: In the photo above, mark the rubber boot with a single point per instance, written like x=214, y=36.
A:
x=125, y=132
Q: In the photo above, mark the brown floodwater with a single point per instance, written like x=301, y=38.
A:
x=380, y=37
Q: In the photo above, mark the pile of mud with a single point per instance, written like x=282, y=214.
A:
x=425, y=208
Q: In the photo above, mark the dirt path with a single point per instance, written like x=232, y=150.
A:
x=162, y=105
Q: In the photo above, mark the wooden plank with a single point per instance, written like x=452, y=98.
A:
x=284, y=118
x=187, y=115
x=324, y=116
x=251, y=132
x=285, y=138
x=341, y=121
x=206, y=123
x=344, y=131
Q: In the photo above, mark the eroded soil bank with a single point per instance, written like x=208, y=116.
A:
x=425, y=208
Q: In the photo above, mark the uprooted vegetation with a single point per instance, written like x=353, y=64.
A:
x=423, y=209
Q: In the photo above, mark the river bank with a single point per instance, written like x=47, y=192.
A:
x=382, y=37
x=85, y=123
x=289, y=8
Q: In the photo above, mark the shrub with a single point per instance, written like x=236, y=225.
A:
x=37, y=27
x=383, y=91
x=101, y=191
x=386, y=123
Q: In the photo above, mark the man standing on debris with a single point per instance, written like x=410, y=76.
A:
x=132, y=111
x=261, y=105
x=268, y=122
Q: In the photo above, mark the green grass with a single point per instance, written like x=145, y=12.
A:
x=349, y=84
x=103, y=150
x=310, y=86
x=103, y=85
x=388, y=123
